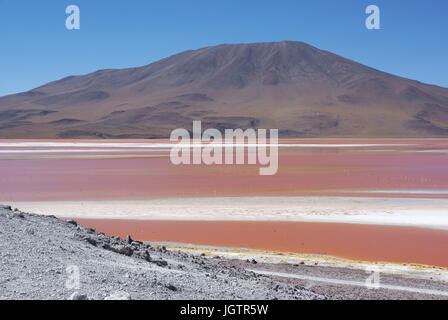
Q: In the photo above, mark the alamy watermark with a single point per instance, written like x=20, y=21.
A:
x=73, y=278
x=211, y=148
x=373, y=20
x=373, y=279
x=73, y=21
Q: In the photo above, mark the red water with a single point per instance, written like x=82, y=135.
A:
x=302, y=171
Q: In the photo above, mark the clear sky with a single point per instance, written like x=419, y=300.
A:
x=36, y=47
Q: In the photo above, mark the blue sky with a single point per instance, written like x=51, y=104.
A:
x=36, y=48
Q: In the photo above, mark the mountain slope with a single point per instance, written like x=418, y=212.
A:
x=299, y=89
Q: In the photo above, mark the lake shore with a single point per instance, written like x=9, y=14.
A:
x=371, y=243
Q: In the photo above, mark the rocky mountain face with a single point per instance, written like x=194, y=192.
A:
x=299, y=89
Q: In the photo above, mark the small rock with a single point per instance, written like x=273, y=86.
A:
x=78, y=296
x=129, y=239
x=171, y=287
x=147, y=256
x=72, y=222
x=127, y=251
x=119, y=295
x=160, y=263
x=254, y=261
x=91, y=241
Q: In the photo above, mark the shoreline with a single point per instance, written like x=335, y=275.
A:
x=370, y=229
x=404, y=245
x=422, y=271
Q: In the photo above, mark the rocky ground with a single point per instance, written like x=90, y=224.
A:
x=42, y=257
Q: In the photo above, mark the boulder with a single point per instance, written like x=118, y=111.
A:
x=91, y=241
x=72, y=222
x=127, y=251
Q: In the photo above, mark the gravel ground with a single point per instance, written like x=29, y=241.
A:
x=353, y=292
x=41, y=257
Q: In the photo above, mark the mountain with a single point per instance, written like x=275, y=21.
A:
x=292, y=86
